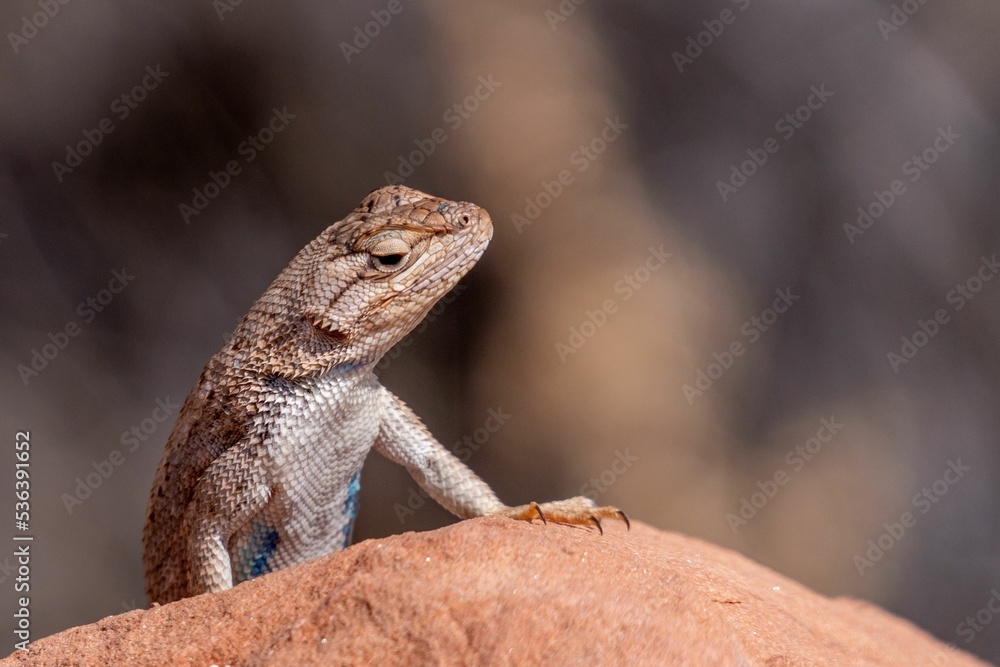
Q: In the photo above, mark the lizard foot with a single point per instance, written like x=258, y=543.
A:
x=579, y=511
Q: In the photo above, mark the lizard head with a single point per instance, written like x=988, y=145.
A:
x=373, y=276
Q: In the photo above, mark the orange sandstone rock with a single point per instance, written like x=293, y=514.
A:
x=499, y=592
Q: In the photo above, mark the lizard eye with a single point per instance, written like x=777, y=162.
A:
x=389, y=254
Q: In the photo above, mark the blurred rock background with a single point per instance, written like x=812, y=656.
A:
x=597, y=135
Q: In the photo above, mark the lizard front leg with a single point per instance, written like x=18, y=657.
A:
x=404, y=439
x=230, y=492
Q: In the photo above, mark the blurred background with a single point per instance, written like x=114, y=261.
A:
x=740, y=285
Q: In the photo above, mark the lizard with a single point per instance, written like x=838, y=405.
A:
x=261, y=469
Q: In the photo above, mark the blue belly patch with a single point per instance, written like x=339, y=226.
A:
x=351, y=506
x=256, y=555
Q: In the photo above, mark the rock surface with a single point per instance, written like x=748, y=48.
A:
x=500, y=592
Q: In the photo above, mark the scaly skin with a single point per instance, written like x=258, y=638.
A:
x=261, y=469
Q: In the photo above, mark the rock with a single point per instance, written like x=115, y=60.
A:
x=496, y=591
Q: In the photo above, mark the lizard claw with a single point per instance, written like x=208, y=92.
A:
x=579, y=511
x=538, y=508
